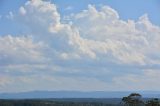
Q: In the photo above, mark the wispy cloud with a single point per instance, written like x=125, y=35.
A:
x=69, y=8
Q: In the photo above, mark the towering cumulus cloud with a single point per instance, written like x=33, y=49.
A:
x=97, y=48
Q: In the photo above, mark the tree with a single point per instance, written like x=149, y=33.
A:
x=153, y=102
x=134, y=99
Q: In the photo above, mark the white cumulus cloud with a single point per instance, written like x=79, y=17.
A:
x=98, y=46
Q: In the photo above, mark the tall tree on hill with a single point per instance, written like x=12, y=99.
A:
x=134, y=99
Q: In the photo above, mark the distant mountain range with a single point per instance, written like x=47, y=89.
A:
x=76, y=94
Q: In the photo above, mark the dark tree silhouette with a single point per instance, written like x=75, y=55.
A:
x=134, y=99
x=125, y=101
x=153, y=102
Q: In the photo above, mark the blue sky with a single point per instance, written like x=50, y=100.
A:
x=85, y=45
x=126, y=9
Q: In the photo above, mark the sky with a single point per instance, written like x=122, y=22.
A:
x=81, y=45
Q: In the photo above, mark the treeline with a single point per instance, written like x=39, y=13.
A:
x=133, y=99
x=50, y=103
